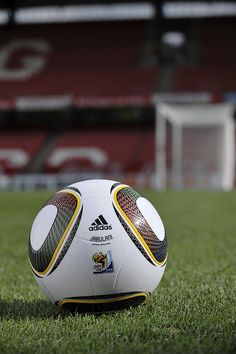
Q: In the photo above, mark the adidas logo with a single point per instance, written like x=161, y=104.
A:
x=100, y=224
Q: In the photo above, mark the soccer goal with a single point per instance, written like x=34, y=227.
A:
x=195, y=146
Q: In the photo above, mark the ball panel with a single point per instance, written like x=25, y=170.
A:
x=67, y=204
x=126, y=202
x=107, y=303
x=94, y=188
x=42, y=225
x=152, y=217
x=68, y=242
x=133, y=237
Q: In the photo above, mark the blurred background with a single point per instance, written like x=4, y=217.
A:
x=142, y=92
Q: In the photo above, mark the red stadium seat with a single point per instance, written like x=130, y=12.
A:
x=204, y=78
x=17, y=149
x=87, y=61
x=107, y=150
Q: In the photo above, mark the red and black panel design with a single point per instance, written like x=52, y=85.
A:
x=126, y=198
x=103, y=303
x=51, y=252
x=68, y=242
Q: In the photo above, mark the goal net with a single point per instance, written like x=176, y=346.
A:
x=195, y=146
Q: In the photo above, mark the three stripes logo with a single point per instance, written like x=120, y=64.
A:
x=100, y=224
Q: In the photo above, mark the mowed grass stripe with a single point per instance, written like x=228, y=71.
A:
x=192, y=311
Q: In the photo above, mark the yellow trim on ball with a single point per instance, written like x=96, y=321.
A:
x=102, y=301
x=134, y=229
x=55, y=254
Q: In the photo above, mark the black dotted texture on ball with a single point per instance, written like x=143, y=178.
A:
x=66, y=204
x=102, y=307
x=127, y=198
x=68, y=242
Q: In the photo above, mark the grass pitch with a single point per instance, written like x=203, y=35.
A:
x=192, y=311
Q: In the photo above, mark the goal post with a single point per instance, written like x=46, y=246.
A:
x=202, y=140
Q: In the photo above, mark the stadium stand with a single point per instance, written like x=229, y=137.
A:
x=86, y=61
x=92, y=65
x=204, y=78
x=214, y=67
x=105, y=150
x=217, y=44
x=17, y=149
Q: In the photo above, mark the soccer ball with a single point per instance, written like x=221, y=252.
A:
x=97, y=246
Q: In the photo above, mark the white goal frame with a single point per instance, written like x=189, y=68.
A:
x=193, y=115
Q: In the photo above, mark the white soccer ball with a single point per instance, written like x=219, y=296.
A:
x=97, y=246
